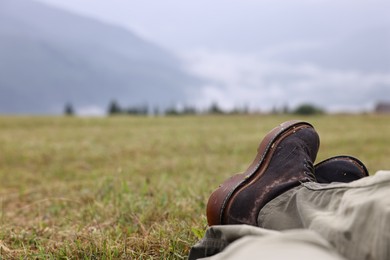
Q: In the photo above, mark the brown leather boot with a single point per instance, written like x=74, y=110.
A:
x=284, y=160
x=341, y=168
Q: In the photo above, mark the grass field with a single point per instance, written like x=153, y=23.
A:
x=136, y=187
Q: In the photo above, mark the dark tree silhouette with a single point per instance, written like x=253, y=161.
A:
x=114, y=108
x=215, y=109
x=308, y=109
x=68, y=110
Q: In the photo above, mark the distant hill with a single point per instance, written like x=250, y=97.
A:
x=49, y=57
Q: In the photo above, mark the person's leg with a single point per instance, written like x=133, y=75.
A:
x=335, y=169
x=354, y=217
x=249, y=242
x=279, y=191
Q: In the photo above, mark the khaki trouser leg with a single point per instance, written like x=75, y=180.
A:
x=354, y=218
x=248, y=242
x=314, y=219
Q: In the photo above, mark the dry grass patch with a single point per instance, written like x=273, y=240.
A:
x=136, y=187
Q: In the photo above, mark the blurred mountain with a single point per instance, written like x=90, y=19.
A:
x=49, y=57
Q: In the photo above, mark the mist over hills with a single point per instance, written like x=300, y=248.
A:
x=49, y=57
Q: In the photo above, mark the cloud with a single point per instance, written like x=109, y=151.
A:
x=236, y=80
x=234, y=25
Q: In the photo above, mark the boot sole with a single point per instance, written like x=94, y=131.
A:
x=221, y=198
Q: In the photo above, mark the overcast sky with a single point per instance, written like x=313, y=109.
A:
x=271, y=52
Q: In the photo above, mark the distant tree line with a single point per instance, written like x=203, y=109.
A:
x=303, y=109
x=114, y=108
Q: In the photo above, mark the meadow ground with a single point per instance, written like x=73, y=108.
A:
x=136, y=187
